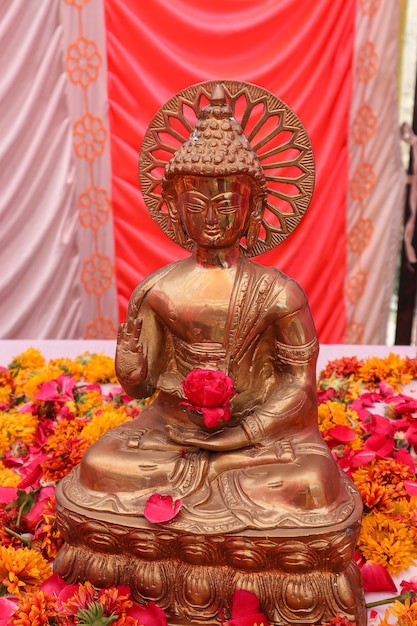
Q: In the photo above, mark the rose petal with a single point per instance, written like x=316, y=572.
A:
x=213, y=415
x=7, y=608
x=150, y=615
x=7, y=494
x=409, y=585
x=403, y=456
x=376, y=578
x=161, y=508
x=410, y=487
x=381, y=445
x=341, y=433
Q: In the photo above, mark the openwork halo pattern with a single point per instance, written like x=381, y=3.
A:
x=274, y=132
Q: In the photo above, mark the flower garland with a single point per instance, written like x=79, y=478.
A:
x=51, y=412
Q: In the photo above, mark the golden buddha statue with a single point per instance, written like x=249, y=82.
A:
x=263, y=503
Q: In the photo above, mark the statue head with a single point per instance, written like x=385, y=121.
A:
x=217, y=150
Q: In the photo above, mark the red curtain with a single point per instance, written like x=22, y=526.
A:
x=300, y=51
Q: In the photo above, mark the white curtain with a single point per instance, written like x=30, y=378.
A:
x=377, y=179
x=56, y=241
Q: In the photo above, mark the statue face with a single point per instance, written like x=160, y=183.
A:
x=214, y=211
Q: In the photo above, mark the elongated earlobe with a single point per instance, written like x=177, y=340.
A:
x=174, y=221
x=254, y=225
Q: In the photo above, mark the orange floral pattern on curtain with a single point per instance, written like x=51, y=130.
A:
x=83, y=63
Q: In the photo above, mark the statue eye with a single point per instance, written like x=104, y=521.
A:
x=195, y=207
x=194, y=203
x=229, y=204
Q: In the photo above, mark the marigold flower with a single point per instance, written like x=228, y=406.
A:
x=67, y=366
x=15, y=426
x=381, y=482
x=332, y=414
x=8, y=478
x=98, y=368
x=387, y=541
x=30, y=359
x=66, y=455
x=35, y=608
x=391, y=369
x=27, y=382
x=104, y=418
x=22, y=569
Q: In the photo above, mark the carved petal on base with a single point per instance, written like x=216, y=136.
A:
x=304, y=579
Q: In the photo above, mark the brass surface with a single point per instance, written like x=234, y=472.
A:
x=273, y=130
x=264, y=505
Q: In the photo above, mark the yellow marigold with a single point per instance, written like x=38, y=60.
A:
x=98, y=368
x=104, y=418
x=405, y=612
x=6, y=387
x=8, y=478
x=392, y=369
x=28, y=382
x=30, y=359
x=16, y=426
x=22, y=569
x=406, y=509
x=67, y=366
x=387, y=541
x=87, y=400
x=35, y=608
x=336, y=413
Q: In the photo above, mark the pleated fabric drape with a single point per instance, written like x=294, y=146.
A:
x=80, y=83
x=56, y=231
x=315, y=56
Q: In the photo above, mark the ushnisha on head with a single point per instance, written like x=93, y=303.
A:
x=217, y=149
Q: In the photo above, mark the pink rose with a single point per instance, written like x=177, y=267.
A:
x=209, y=391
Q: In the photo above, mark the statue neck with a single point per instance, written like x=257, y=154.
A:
x=219, y=257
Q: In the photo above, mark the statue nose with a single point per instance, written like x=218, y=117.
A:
x=211, y=215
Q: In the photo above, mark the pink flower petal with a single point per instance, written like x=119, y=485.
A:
x=6, y=610
x=150, y=615
x=381, y=445
x=341, y=433
x=214, y=415
x=403, y=456
x=409, y=585
x=54, y=585
x=7, y=494
x=376, y=578
x=410, y=487
x=363, y=457
x=161, y=508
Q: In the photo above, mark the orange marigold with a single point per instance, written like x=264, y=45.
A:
x=387, y=541
x=391, y=369
x=22, y=569
x=35, y=608
x=338, y=414
x=66, y=455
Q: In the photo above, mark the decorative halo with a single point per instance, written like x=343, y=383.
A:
x=274, y=132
